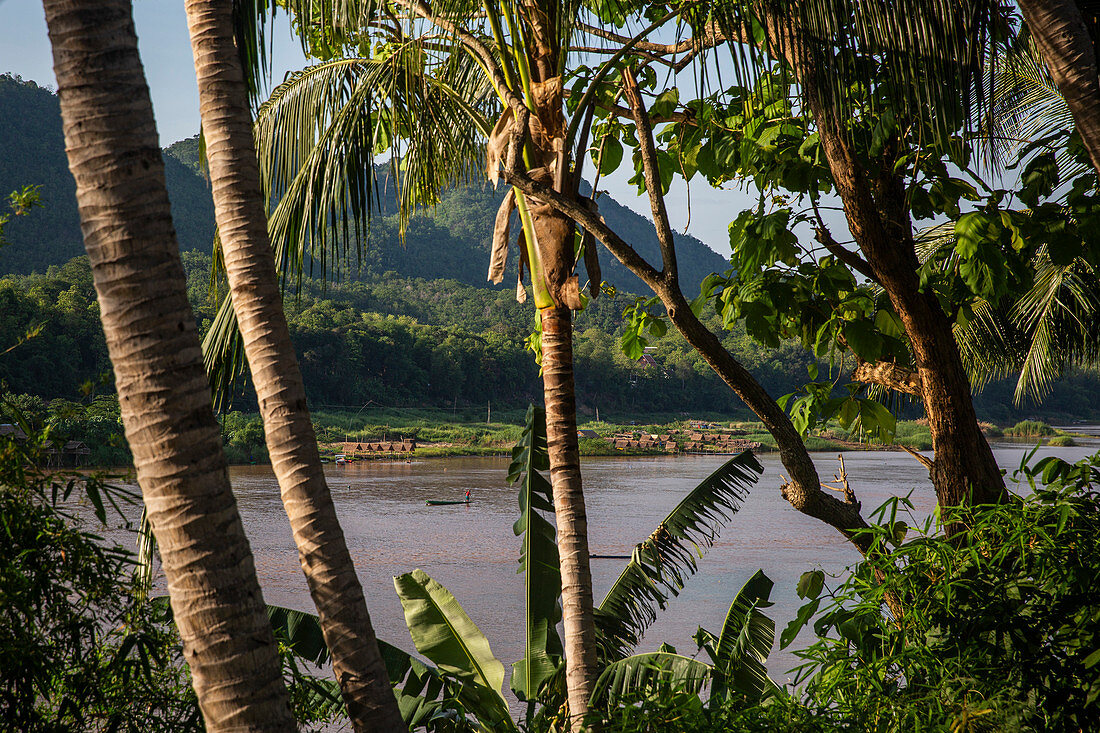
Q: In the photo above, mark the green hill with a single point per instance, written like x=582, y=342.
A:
x=449, y=241
x=453, y=239
x=32, y=151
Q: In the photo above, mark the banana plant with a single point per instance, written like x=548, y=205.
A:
x=737, y=658
x=658, y=569
x=467, y=680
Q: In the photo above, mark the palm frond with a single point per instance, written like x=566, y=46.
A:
x=1059, y=313
x=1052, y=327
x=662, y=563
x=319, y=134
x=317, y=138
x=989, y=345
x=925, y=56
x=1026, y=107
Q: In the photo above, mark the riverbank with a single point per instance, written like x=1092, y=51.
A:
x=391, y=441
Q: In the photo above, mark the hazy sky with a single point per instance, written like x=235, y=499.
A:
x=166, y=53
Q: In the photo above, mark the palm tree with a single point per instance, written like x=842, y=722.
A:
x=292, y=445
x=1052, y=326
x=113, y=153
x=431, y=96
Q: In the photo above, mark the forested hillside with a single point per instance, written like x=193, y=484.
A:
x=402, y=341
x=32, y=152
x=453, y=239
x=404, y=324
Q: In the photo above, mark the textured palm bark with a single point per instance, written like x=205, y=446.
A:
x=292, y=445
x=1066, y=47
x=569, y=509
x=164, y=396
x=554, y=238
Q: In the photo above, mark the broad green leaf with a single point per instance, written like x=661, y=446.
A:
x=538, y=561
x=863, y=339
x=420, y=690
x=665, y=103
x=810, y=584
x=611, y=155
x=805, y=613
x=746, y=640
x=443, y=633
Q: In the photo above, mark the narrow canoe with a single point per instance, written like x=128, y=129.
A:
x=439, y=502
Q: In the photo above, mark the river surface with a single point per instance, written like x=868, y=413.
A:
x=473, y=552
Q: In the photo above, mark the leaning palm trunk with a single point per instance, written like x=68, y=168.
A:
x=113, y=153
x=291, y=442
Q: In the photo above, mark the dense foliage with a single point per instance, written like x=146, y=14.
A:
x=83, y=646
x=80, y=649
x=404, y=341
x=1000, y=631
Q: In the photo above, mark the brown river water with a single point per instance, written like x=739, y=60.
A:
x=472, y=551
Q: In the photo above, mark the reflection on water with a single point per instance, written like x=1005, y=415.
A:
x=473, y=552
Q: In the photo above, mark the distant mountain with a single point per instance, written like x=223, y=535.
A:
x=32, y=151
x=450, y=241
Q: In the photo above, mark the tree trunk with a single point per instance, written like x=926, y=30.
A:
x=257, y=303
x=569, y=510
x=964, y=470
x=164, y=396
x=1068, y=51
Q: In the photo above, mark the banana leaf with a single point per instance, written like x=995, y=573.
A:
x=422, y=692
x=538, y=560
x=746, y=640
x=444, y=634
x=661, y=564
x=624, y=680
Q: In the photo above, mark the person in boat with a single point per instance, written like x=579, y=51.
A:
x=467, y=496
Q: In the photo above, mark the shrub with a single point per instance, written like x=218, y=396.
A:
x=1062, y=441
x=1000, y=629
x=1029, y=428
x=79, y=648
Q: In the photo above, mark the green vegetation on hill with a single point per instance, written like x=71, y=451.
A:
x=413, y=323
x=32, y=152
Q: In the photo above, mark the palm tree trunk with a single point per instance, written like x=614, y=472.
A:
x=1068, y=51
x=291, y=442
x=569, y=509
x=114, y=156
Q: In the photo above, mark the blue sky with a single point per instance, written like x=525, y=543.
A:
x=166, y=54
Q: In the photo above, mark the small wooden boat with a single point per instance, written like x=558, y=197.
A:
x=440, y=502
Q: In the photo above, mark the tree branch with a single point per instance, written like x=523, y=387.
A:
x=803, y=491
x=923, y=460
x=587, y=219
x=652, y=174
x=848, y=257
